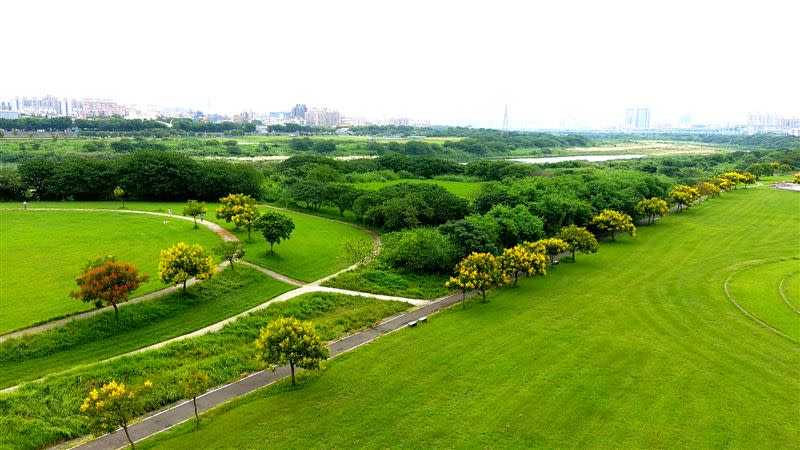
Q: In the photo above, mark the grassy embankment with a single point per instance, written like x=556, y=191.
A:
x=40, y=414
x=636, y=346
x=101, y=336
x=41, y=252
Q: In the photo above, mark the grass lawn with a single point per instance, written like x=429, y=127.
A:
x=382, y=280
x=465, y=189
x=41, y=252
x=101, y=336
x=633, y=347
x=41, y=414
x=312, y=252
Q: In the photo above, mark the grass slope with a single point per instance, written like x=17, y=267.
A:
x=100, y=337
x=41, y=252
x=466, y=189
x=633, y=347
x=312, y=252
x=382, y=280
x=41, y=414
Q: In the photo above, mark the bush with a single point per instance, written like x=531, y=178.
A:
x=421, y=250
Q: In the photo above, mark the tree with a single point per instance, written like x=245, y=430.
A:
x=193, y=209
x=275, y=227
x=288, y=340
x=230, y=250
x=419, y=250
x=684, y=195
x=652, y=207
x=192, y=385
x=107, y=281
x=733, y=177
x=119, y=193
x=246, y=218
x=748, y=178
x=580, y=239
x=551, y=247
x=234, y=204
x=516, y=224
x=707, y=190
x=796, y=178
x=521, y=259
x=181, y=262
x=723, y=184
x=356, y=250
x=112, y=406
x=478, y=271
x=615, y=222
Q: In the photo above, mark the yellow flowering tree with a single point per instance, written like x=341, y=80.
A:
x=119, y=193
x=578, y=239
x=684, y=195
x=723, y=184
x=193, y=209
x=192, y=385
x=707, y=189
x=550, y=246
x=733, y=177
x=614, y=222
x=748, y=178
x=521, y=259
x=113, y=405
x=478, y=271
x=652, y=207
x=290, y=341
x=797, y=178
x=181, y=262
x=236, y=205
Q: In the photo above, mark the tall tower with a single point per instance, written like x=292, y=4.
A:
x=505, y=121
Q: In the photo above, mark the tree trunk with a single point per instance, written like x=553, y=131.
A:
x=612, y=235
x=271, y=244
x=291, y=365
x=195, y=222
x=516, y=276
x=483, y=293
x=116, y=310
x=573, y=255
x=184, y=284
x=248, y=233
x=196, y=416
x=125, y=428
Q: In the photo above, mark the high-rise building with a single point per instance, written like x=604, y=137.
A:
x=643, y=118
x=322, y=117
x=299, y=111
x=630, y=118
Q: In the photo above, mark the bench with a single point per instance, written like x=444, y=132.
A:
x=412, y=324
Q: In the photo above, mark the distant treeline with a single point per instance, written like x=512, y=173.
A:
x=143, y=175
x=754, y=141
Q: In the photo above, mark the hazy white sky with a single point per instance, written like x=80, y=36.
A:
x=447, y=61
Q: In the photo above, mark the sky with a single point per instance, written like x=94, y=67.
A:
x=450, y=62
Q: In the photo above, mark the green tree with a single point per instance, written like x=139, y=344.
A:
x=652, y=207
x=193, y=209
x=287, y=340
x=119, y=193
x=229, y=250
x=275, y=227
x=192, y=385
x=578, y=239
x=181, y=262
x=246, y=219
x=107, y=281
x=356, y=250
x=614, y=222
x=516, y=224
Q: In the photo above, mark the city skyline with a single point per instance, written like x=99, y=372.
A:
x=449, y=63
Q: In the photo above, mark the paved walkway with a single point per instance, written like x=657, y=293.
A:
x=165, y=419
x=226, y=236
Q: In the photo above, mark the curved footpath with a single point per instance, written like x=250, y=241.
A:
x=226, y=236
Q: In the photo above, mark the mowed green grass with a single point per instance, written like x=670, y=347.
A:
x=633, y=347
x=41, y=252
x=757, y=289
x=465, y=189
x=102, y=336
x=791, y=289
x=313, y=250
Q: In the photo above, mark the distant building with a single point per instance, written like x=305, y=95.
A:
x=630, y=118
x=9, y=114
x=299, y=111
x=322, y=117
x=643, y=118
